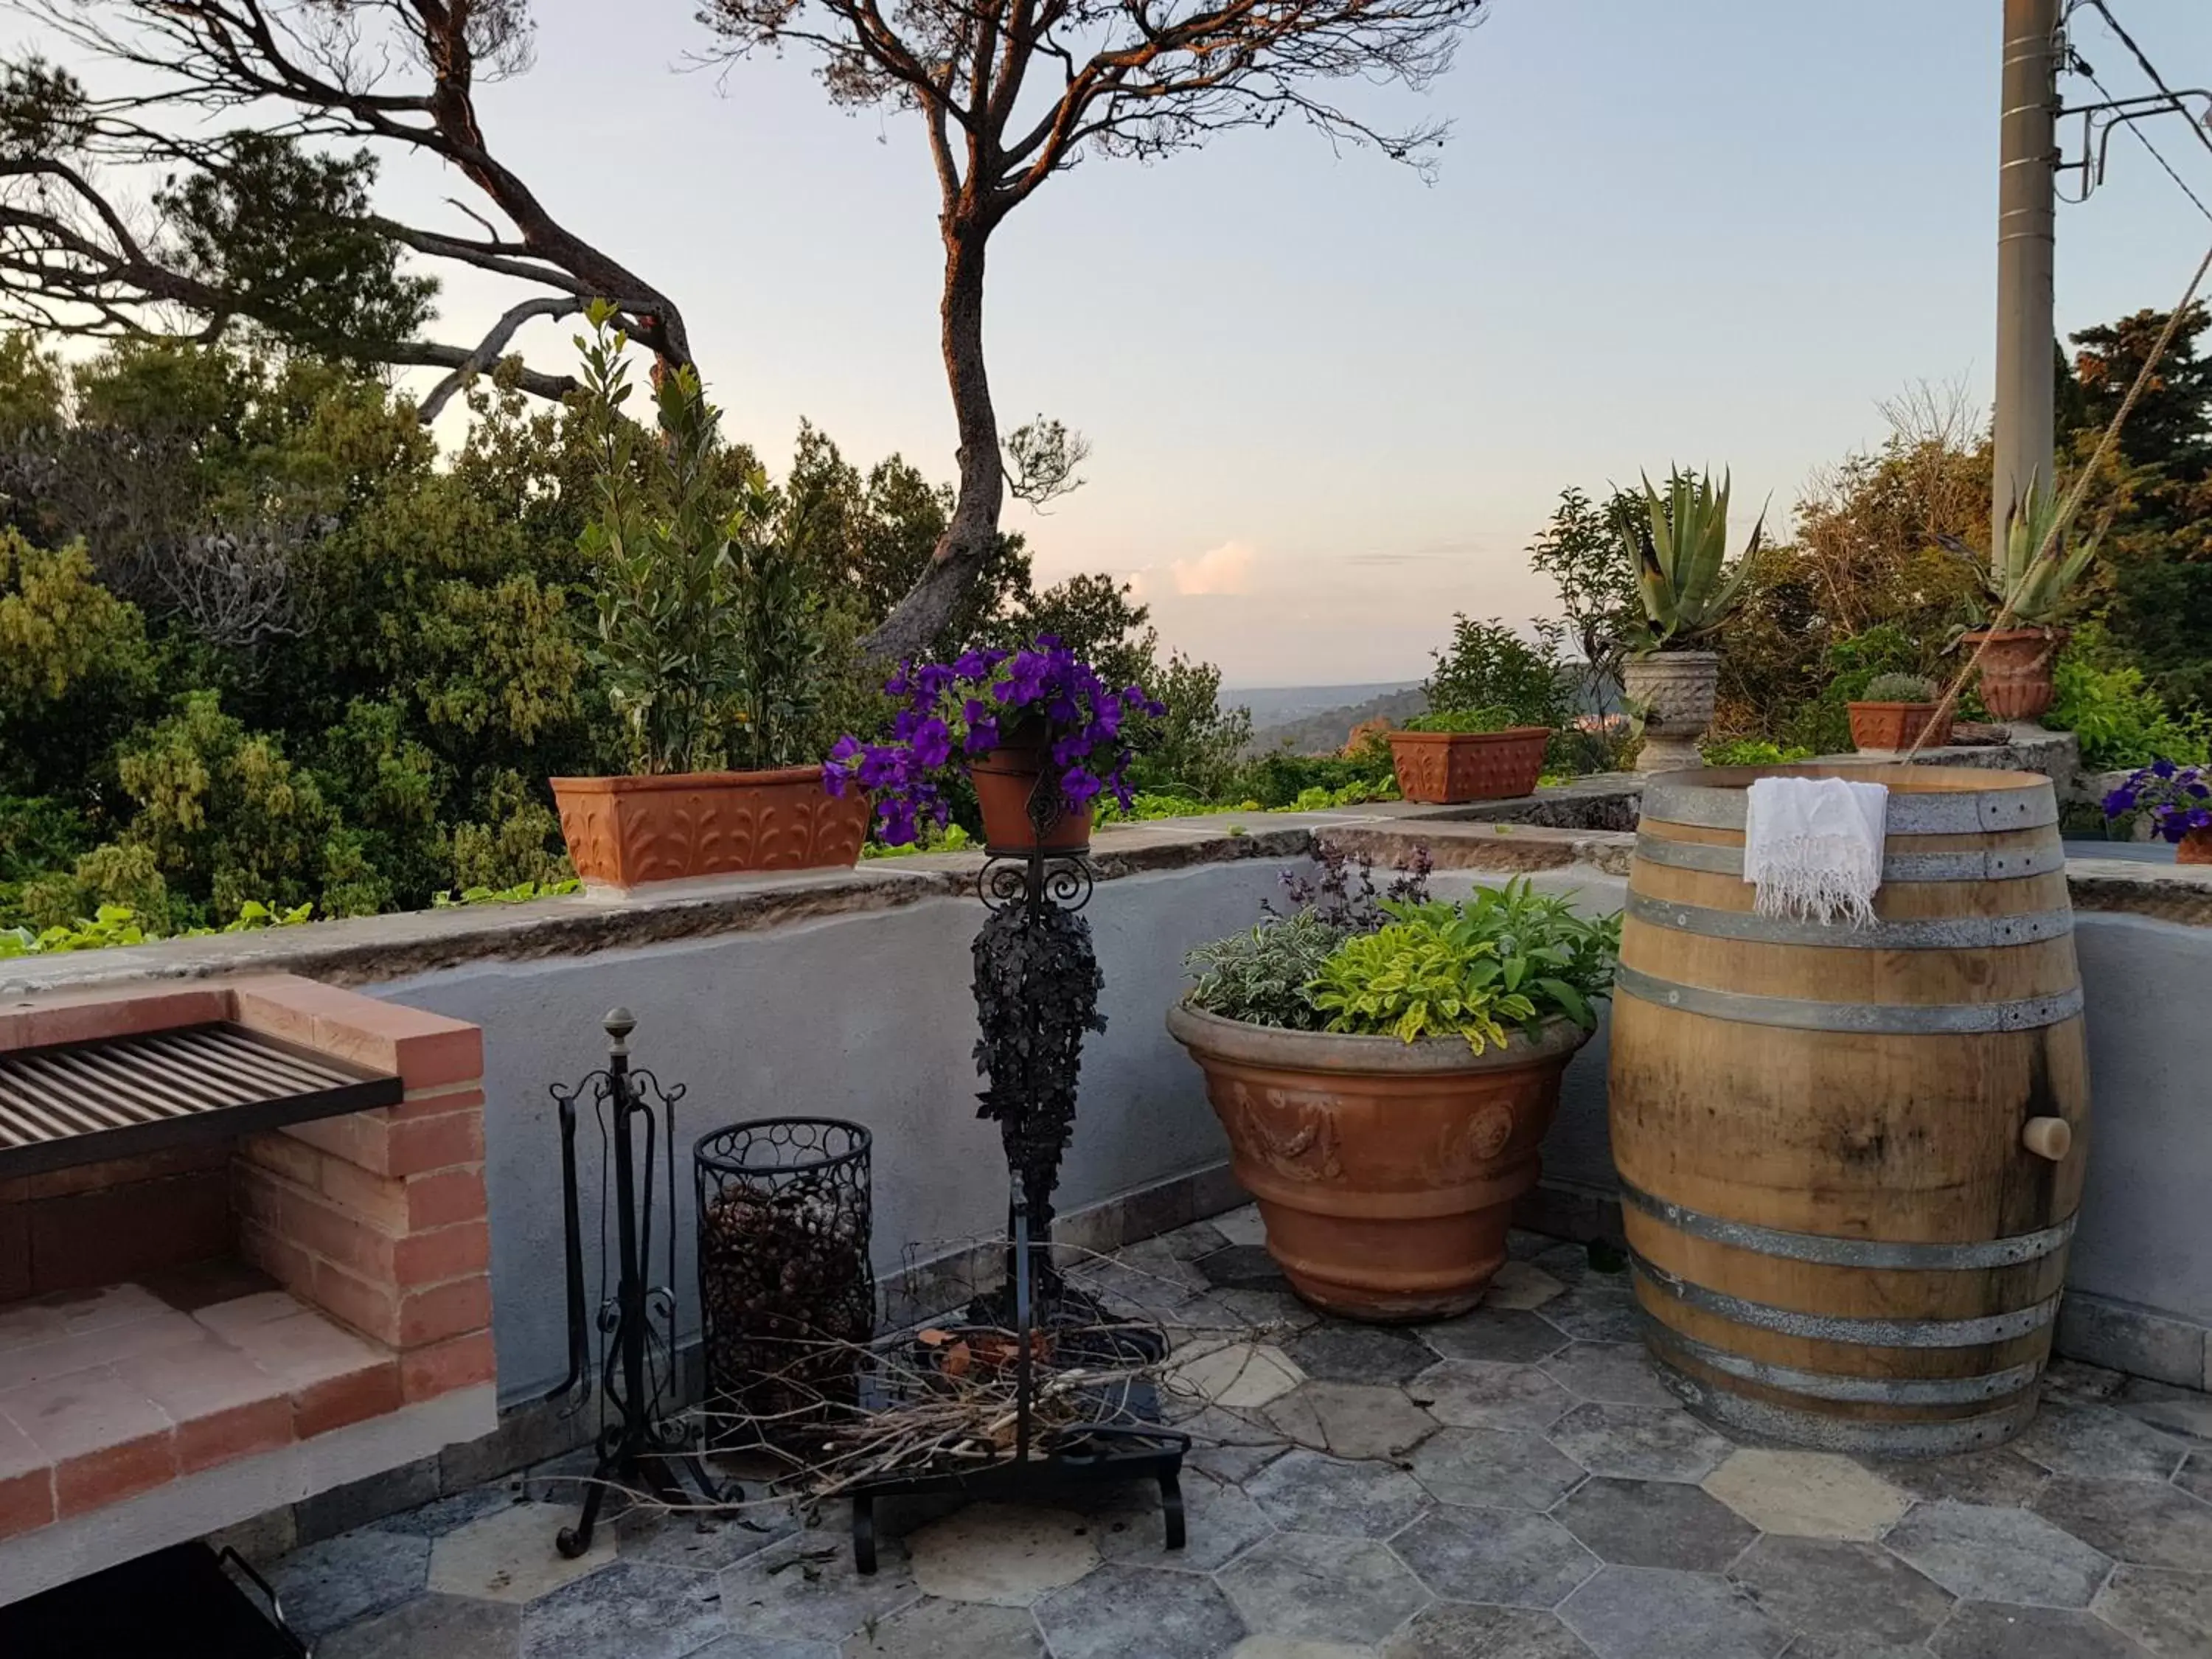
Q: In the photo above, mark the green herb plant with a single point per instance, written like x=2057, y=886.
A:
x=1261, y=976
x=1899, y=688
x=1496, y=718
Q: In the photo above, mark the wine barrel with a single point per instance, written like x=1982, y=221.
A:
x=1850, y=1157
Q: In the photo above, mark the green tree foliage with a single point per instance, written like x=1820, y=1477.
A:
x=1488, y=665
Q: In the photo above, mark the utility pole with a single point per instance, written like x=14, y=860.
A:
x=2028, y=153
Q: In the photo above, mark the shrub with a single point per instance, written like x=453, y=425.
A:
x=1495, y=719
x=1753, y=751
x=2119, y=720
x=1488, y=665
x=1899, y=688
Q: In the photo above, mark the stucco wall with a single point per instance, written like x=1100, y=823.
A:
x=867, y=1016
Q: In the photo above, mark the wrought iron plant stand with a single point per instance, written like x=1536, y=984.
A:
x=1037, y=985
x=642, y=1445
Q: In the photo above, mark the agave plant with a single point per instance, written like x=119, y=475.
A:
x=2034, y=582
x=1678, y=545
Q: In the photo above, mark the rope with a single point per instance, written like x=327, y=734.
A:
x=2073, y=504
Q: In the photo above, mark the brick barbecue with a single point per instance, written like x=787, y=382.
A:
x=230, y=1321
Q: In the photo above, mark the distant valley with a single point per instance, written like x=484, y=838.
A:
x=1317, y=720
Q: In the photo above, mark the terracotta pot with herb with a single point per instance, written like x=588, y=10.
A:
x=1892, y=713
x=2029, y=588
x=708, y=646
x=1386, y=1073
x=1465, y=755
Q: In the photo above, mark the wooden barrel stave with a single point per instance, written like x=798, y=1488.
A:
x=1837, y=1234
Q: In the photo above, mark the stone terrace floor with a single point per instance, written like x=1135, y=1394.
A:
x=1513, y=1485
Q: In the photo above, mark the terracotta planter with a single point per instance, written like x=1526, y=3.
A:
x=1675, y=691
x=2016, y=669
x=1386, y=1171
x=624, y=832
x=2195, y=848
x=1445, y=768
x=1005, y=780
x=1891, y=727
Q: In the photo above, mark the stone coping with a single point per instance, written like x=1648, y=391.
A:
x=1539, y=832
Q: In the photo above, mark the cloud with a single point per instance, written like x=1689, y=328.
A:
x=1224, y=569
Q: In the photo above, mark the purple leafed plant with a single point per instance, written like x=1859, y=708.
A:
x=949, y=712
x=2178, y=797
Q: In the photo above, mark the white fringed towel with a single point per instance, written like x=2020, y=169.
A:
x=1813, y=847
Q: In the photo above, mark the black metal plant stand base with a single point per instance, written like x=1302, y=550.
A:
x=641, y=1446
x=1120, y=1438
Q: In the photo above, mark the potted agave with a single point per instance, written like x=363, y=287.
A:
x=1036, y=730
x=1894, y=712
x=1461, y=755
x=2029, y=591
x=1385, y=1082
x=707, y=640
x=2179, y=801
x=1677, y=545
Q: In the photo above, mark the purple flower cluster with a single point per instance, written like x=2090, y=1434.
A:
x=2178, y=797
x=972, y=704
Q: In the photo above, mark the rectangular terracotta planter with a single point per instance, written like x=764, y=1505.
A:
x=1878, y=726
x=624, y=832
x=1443, y=768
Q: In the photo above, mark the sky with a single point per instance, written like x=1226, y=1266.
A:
x=1330, y=403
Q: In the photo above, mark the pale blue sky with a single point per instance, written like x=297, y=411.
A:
x=1709, y=230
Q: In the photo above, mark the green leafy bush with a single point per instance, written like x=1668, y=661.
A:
x=2119, y=720
x=1487, y=666
x=1753, y=751
x=1493, y=719
x=1262, y=976
x=117, y=924
x=1278, y=779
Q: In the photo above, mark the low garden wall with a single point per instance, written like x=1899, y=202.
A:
x=846, y=995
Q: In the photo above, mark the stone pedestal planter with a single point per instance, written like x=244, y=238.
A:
x=624, y=832
x=1386, y=1171
x=1675, y=691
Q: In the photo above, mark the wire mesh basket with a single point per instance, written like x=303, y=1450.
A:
x=786, y=1291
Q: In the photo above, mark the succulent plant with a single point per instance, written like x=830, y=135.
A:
x=1678, y=545
x=2032, y=591
x=1899, y=688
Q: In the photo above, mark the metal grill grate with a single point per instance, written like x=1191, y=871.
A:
x=81, y=1102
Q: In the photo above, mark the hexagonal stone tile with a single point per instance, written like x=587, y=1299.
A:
x=1230, y=1445
x=737, y=1645
x=508, y=1555
x=1241, y=1226
x=2196, y=1476
x=1595, y=1310
x=355, y=1576
x=2082, y=1384
x=1612, y=1373
x=431, y=1627
x=1855, y=1596
x=2184, y=1411
x=1241, y=1375
x=806, y=1588
x=1521, y=1285
x=1243, y=1267
x=627, y=1611
x=1654, y=1524
x=1311, y=1589
x=1195, y=1242
x=2169, y=1612
x=1122, y=1610
x=1222, y=1522
x=1282, y=1647
x=2099, y=1443
x=932, y=1629
x=1806, y=1494
x=1008, y=1555
x=1477, y=1393
x=1997, y=1478
x=2133, y=1521
x=441, y=1515
x=1648, y=1613
x=1982, y=1555
x=1640, y=1442
x=1351, y=1420
x=1508, y=1336
x=1319, y=1494
x=1980, y=1630
x=1497, y=1468
x=1570, y=1263
x=704, y=1543
x=1359, y=1353
x=1507, y=1557
x=1451, y=1631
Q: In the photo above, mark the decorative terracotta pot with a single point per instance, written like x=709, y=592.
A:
x=1891, y=727
x=2016, y=669
x=1675, y=689
x=1006, y=781
x=624, y=832
x=2195, y=848
x=1445, y=768
x=1386, y=1171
